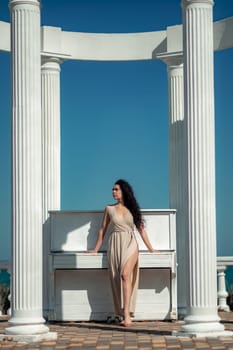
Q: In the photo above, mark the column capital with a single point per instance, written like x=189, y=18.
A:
x=186, y=3
x=13, y=3
x=55, y=59
x=171, y=58
x=51, y=63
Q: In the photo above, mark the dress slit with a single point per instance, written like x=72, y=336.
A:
x=122, y=245
x=134, y=282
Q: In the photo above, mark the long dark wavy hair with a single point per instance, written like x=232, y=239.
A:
x=131, y=203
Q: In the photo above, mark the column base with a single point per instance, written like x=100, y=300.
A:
x=26, y=338
x=28, y=333
x=27, y=329
x=203, y=326
x=203, y=334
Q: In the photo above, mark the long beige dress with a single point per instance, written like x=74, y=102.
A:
x=122, y=244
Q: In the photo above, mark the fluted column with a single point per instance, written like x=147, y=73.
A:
x=222, y=293
x=50, y=77
x=177, y=192
x=200, y=146
x=177, y=178
x=26, y=302
x=50, y=80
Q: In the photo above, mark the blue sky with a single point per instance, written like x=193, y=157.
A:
x=114, y=115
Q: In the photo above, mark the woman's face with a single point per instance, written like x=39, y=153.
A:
x=117, y=193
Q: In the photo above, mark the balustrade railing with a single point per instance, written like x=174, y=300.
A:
x=223, y=262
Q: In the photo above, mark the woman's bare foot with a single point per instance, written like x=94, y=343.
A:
x=126, y=322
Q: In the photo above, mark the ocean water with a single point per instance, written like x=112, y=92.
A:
x=4, y=277
x=229, y=279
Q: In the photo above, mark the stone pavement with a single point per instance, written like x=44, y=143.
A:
x=141, y=336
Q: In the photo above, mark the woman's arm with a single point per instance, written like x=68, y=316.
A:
x=146, y=240
x=101, y=233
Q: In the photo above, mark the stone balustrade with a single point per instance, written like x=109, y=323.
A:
x=223, y=262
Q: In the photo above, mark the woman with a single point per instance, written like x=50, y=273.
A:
x=123, y=248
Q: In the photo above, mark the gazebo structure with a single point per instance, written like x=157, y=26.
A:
x=37, y=54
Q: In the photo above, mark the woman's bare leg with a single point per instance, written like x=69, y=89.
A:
x=127, y=287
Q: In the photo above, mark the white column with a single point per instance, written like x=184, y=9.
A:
x=202, y=316
x=50, y=80
x=177, y=192
x=26, y=323
x=50, y=74
x=177, y=178
x=222, y=293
